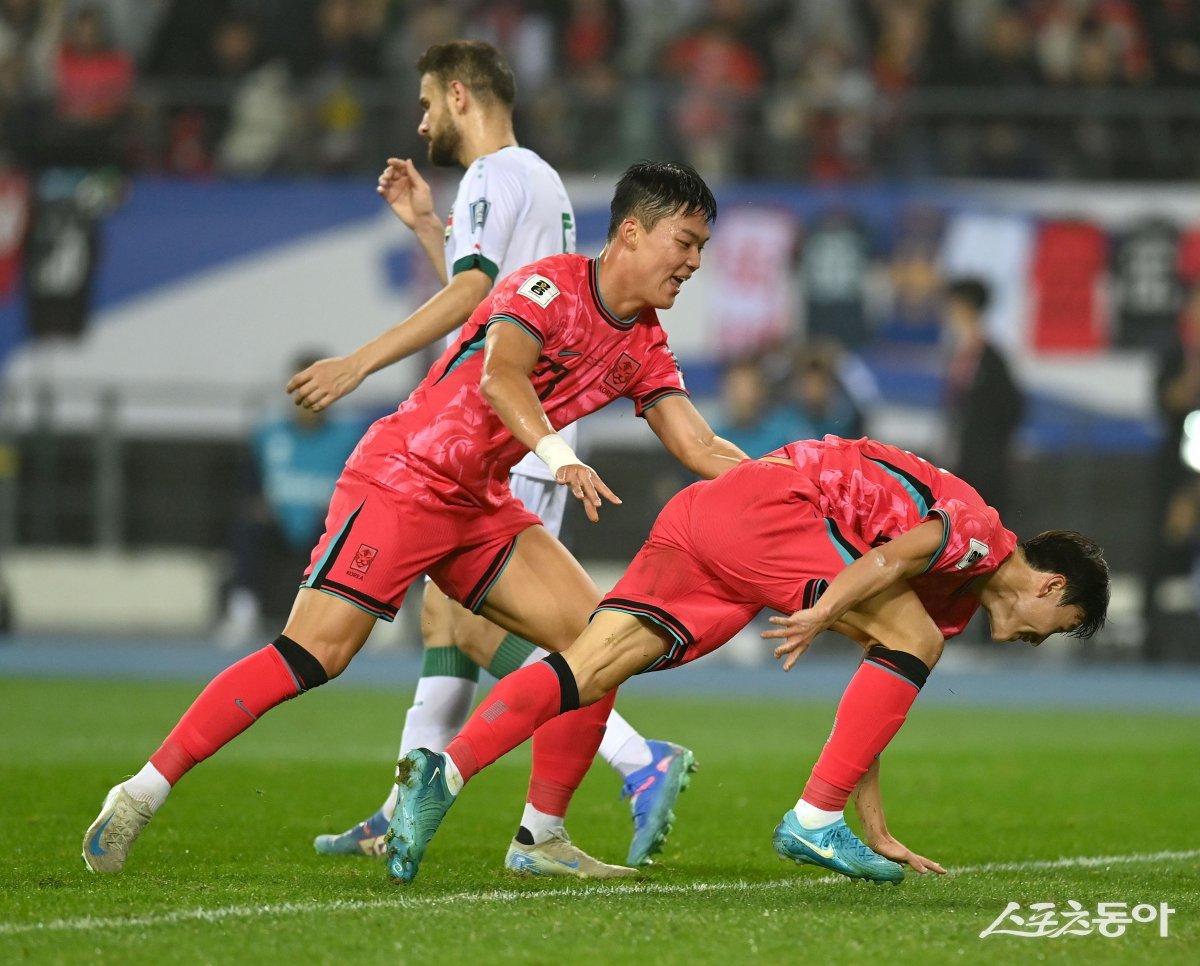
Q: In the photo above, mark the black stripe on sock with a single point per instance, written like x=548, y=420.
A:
x=908, y=666
x=568, y=689
x=308, y=669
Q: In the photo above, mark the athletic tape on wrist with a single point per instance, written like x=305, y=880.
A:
x=555, y=453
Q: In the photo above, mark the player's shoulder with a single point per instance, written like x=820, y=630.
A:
x=543, y=281
x=513, y=164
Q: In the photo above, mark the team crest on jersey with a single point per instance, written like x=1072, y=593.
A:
x=976, y=553
x=479, y=212
x=449, y=227
x=621, y=374
x=538, y=288
x=363, y=558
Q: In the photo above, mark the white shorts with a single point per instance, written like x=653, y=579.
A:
x=541, y=496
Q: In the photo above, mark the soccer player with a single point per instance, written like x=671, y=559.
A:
x=426, y=492
x=511, y=209
x=849, y=535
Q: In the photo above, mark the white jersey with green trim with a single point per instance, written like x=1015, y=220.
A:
x=511, y=209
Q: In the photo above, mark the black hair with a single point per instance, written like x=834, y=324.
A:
x=651, y=190
x=1082, y=563
x=477, y=65
x=974, y=291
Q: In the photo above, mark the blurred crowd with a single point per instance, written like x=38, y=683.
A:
x=813, y=89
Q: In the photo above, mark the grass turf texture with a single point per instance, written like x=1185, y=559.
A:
x=227, y=872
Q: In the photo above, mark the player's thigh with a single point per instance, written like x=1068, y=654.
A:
x=613, y=648
x=331, y=629
x=543, y=595
x=897, y=619
x=446, y=623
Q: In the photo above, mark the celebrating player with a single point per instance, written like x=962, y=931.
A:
x=849, y=535
x=511, y=209
x=425, y=492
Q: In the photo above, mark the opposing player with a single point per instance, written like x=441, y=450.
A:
x=426, y=492
x=511, y=209
x=852, y=535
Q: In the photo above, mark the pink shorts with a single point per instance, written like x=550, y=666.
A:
x=379, y=539
x=722, y=550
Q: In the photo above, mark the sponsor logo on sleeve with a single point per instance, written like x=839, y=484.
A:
x=978, y=550
x=479, y=212
x=538, y=288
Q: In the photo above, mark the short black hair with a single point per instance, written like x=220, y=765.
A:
x=1081, y=561
x=651, y=190
x=974, y=291
x=478, y=65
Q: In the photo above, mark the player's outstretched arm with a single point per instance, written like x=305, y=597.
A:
x=410, y=198
x=510, y=354
x=688, y=437
x=868, y=802
x=328, y=380
x=871, y=574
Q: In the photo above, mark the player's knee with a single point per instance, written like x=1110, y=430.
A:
x=901, y=660
x=928, y=647
x=308, y=670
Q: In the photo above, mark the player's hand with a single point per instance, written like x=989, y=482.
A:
x=587, y=487
x=406, y=191
x=797, y=632
x=323, y=383
x=891, y=848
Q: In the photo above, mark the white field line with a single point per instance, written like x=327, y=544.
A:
x=223, y=913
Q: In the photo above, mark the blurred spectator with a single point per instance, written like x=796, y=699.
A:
x=588, y=37
x=717, y=78
x=248, y=133
x=749, y=418
x=915, y=280
x=1177, y=391
x=1173, y=35
x=834, y=261
x=984, y=405
x=820, y=398
x=93, y=85
x=291, y=466
x=335, y=64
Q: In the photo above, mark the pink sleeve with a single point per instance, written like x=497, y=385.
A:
x=970, y=535
x=660, y=377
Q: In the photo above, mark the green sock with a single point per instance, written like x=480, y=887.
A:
x=448, y=662
x=510, y=655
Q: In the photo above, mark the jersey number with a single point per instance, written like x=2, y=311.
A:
x=548, y=365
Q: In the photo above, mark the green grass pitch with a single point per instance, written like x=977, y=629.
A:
x=226, y=872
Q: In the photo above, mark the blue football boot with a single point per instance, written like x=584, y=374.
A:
x=366, y=838
x=833, y=847
x=424, y=801
x=652, y=792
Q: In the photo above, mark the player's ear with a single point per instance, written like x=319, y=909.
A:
x=1053, y=585
x=630, y=232
x=457, y=96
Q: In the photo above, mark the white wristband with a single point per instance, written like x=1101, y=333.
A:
x=555, y=453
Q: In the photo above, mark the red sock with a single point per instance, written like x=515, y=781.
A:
x=231, y=703
x=514, y=709
x=563, y=751
x=870, y=713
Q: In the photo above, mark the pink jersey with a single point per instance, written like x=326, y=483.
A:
x=871, y=493
x=447, y=432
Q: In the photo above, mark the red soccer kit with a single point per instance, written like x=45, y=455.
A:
x=773, y=535
x=426, y=490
